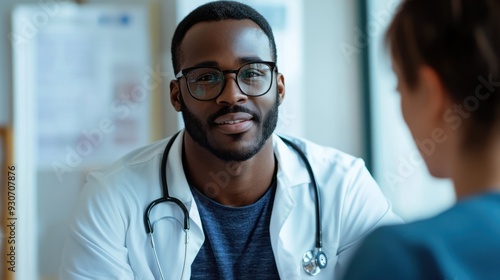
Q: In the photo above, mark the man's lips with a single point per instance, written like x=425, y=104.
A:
x=233, y=118
x=233, y=123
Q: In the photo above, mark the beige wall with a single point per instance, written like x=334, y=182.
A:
x=332, y=85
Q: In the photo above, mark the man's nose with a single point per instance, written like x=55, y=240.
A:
x=231, y=94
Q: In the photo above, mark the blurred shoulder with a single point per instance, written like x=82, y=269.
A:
x=140, y=157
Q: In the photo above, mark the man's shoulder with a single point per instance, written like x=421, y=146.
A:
x=325, y=155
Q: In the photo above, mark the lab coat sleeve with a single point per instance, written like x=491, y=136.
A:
x=364, y=208
x=95, y=245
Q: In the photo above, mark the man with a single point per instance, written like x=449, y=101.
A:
x=240, y=203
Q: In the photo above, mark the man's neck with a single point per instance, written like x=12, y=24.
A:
x=236, y=183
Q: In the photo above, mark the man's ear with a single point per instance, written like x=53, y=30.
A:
x=436, y=94
x=175, y=95
x=281, y=87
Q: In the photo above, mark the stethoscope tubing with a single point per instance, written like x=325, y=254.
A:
x=186, y=225
x=319, y=234
x=166, y=196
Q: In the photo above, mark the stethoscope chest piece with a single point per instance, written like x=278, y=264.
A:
x=314, y=262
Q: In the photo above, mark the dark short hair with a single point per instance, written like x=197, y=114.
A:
x=217, y=11
x=460, y=40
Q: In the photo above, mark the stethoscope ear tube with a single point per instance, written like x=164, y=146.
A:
x=147, y=222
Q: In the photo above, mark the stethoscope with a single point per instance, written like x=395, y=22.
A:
x=313, y=260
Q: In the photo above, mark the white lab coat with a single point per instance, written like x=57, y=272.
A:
x=107, y=237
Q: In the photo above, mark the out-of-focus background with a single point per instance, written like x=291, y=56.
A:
x=83, y=84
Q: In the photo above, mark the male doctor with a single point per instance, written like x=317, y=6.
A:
x=249, y=198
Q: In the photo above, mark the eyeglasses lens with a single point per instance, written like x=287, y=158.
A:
x=253, y=79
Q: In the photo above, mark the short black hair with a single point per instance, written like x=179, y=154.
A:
x=217, y=11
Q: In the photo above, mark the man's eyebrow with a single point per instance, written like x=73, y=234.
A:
x=241, y=60
x=206, y=64
x=248, y=59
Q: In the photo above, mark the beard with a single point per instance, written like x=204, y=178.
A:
x=198, y=130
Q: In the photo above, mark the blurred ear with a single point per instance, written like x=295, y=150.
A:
x=281, y=87
x=175, y=93
x=436, y=97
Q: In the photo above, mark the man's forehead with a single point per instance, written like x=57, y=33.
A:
x=226, y=39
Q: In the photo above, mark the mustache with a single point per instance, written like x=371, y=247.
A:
x=233, y=109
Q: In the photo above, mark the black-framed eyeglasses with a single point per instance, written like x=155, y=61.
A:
x=207, y=83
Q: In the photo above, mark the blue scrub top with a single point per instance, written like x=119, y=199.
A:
x=461, y=243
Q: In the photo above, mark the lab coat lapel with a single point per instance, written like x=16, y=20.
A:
x=179, y=188
x=290, y=173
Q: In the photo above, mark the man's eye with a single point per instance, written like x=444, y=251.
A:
x=207, y=78
x=251, y=73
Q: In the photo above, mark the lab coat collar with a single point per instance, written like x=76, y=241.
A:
x=178, y=185
x=177, y=182
x=290, y=168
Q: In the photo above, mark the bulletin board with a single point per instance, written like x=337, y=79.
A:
x=85, y=79
x=88, y=70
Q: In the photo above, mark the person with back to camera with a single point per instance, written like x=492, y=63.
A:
x=446, y=56
x=225, y=198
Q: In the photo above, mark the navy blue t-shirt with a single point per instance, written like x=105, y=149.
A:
x=237, y=241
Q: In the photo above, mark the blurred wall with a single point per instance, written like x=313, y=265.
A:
x=332, y=87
